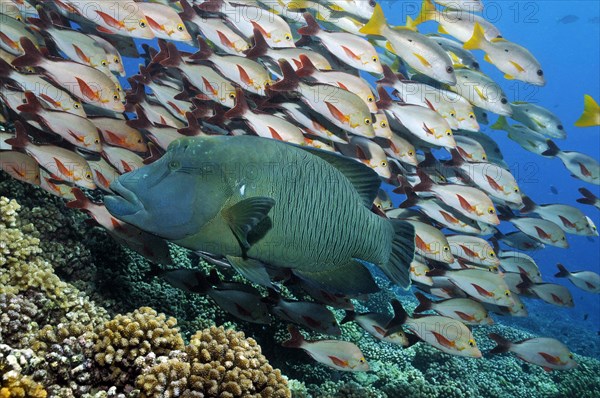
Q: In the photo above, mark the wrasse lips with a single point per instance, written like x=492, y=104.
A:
x=126, y=204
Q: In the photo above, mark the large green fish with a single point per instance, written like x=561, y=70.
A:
x=264, y=203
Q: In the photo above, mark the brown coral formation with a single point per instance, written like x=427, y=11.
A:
x=217, y=363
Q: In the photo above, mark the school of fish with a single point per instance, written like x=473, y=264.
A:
x=331, y=85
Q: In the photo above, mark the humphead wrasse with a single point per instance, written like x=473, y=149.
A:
x=268, y=203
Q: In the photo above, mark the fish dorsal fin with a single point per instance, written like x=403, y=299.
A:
x=364, y=179
x=243, y=216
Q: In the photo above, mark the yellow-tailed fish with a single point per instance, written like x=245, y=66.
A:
x=585, y=280
x=542, y=351
x=581, y=166
x=77, y=130
x=461, y=58
x=591, y=113
x=456, y=23
x=121, y=17
x=350, y=49
x=62, y=162
x=84, y=82
x=375, y=324
x=246, y=73
x=12, y=33
x=20, y=166
x=343, y=80
x=538, y=119
x=446, y=334
x=484, y=286
x=53, y=97
x=264, y=124
x=164, y=22
x=466, y=310
x=529, y=140
x=337, y=354
x=515, y=61
x=417, y=50
x=343, y=108
x=424, y=123
x=569, y=218
x=481, y=91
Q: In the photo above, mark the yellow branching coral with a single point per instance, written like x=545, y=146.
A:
x=217, y=363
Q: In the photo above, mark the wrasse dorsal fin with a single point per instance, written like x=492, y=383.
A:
x=243, y=216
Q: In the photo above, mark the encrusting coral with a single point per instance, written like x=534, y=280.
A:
x=216, y=363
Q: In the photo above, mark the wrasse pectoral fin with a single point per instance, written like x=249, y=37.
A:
x=243, y=216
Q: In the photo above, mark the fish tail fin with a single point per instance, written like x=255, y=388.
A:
x=349, y=317
x=503, y=344
x=425, y=184
x=389, y=77
x=290, y=80
x=529, y=205
x=204, y=52
x=5, y=69
x=424, y=303
x=436, y=272
x=307, y=68
x=296, y=340
x=168, y=55
x=154, y=155
x=155, y=270
x=241, y=106
x=588, y=197
x=211, y=5
x=188, y=13
x=193, y=127
x=376, y=23
x=500, y=124
x=384, y=98
x=495, y=244
x=202, y=285
x=591, y=113
x=32, y=105
x=552, y=150
x=526, y=283
x=504, y=213
x=400, y=317
x=562, y=271
x=311, y=28
x=141, y=122
x=403, y=252
x=80, y=202
x=260, y=47
x=20, y=140
x=456, y=160
x=411, y=199
x=477, y=39
x=31, y=57
x=428, y=12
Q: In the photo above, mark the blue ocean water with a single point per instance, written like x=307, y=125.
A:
x=565, y=38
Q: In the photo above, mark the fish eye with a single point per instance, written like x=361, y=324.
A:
x=362, y=360
x=372, y=3
x=116, y=60
x=476, y=65
x=383, y=163
x=563, y=238
x=472, y=343
x=232, y=95
x=288, y=37
x=180, y=27
x=516, y=190
x=540, y=72
x=375, y=59
x=103, y=62
x=560, y=127
x=571, y=355
x=507, y=293
x=446, y=249
x=378, y=205
x=449, y=133
x=368, y=121
x=504, y=101
x=96, y=141
x=411, y=153
x=88, y=175
x=76, y=105
x=492, y=254
x=174, y=165
x=483, y=157
x=493, y=269
x=370, y=98
x=19, y=18
x=450, y=69
x=116, y=97
x=383, y=124
x=522, y=306
x=471, y=115
x=142, y=23
x=139, y=141
x=452, y=114
x=491, y=210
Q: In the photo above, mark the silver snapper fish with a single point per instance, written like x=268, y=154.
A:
x=238, y=204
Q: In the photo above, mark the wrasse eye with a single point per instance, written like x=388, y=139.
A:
x=142, y=23
x=491, y=210
x=368, y=121
x=180, y=27
x=174, y=165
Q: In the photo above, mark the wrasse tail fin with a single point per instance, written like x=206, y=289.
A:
x=503, y=345
x=563, y=272
x=403, y=251
x=350, y=279
x=32, y=56
x=424, y=303
x=311, y=28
